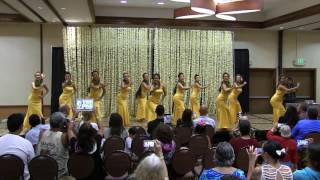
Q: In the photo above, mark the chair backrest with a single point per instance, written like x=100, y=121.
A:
x=140, y=131
x=210, y=132
x=208, y=159
x=183, y=161
x=314, y=135
x=80, y=166
x=198, y=145
x=242, y=160
x=137, y=146
x=117, y=164
x=43, y=167
x=11, y=167
x=112, y=144
x=183, y=135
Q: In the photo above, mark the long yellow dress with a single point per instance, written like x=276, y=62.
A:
x=195, y=100
x=277, y=105
x=34, y=106
x=122, y=105
x=95, y=94
x=152, y=104
x=222, y=110
x=141, y=104
x=234, y=105
x=66, y=98
x=178, y=105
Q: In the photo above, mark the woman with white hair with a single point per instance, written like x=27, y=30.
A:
x=152, y=167
x=224, y=158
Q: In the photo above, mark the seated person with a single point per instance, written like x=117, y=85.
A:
x=204, y=116
x=245, y=139
x=306, y=126
x=200, y=129
x=164, y=134
x=311, y=172
x=152, y=125
x=186, y=120
x=33, y=134
x=12, y=143
x=302, y=111
x=291, y=158
x=86, y=118
x=132, y=133
x=116, y=127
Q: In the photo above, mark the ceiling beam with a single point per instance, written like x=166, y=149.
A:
x=92, y=10
x=33, y=11
x=51, y=7
x=13, y=18
x=14, y=9
x=173, y=22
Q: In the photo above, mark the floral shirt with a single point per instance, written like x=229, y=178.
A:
x=211, y=174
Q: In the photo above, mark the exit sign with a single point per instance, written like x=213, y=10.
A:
x=299, y=62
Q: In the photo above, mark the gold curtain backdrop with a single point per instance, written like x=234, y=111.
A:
x=114, y=50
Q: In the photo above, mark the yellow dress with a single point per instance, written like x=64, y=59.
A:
x=277, y=106
x=234, y=105
x=152, y=104
x=222, y=110
x=95, y=94
x=178, y=105
x=66, y=98
x=141, y=104
x=34, y=106
x=122, y=105
x=195, y=100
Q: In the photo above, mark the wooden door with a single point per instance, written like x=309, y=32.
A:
x=261, y=88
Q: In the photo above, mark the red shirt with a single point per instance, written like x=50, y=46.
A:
x=289, y=144
x=238, y=143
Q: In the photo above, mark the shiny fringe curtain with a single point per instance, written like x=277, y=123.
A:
x=204, y=52
x=114, y=50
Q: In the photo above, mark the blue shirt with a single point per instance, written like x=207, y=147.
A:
x=211, y=174
x=306, y=174
x=304, y=127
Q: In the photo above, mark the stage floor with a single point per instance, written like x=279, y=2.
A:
x=258, y=121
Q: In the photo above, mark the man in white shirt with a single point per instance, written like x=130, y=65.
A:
x=12, y=143
x=33, y=134
x=204, y=117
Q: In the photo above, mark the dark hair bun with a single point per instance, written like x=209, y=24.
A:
x=274, y=149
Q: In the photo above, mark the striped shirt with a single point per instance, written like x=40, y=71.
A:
x=271, y=173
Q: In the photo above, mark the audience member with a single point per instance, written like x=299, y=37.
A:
x=312, y=172
x=291, y=117
x=291, y=158
x=204, y=116
x=115, y=127
x=201, y=129
x=291, y=96
x=152, y=167
x=12, y=143
x=33, y=134
x=302, y=110
x=164, y=134
x=152, y=125
x=245, y=139
x=186, y=120
x=54, y=142
x=86, y=118
x=306, y=126
x=272, y=153
x=65, y=109
x=132, y=133
x=224, y=158
x=88, y=141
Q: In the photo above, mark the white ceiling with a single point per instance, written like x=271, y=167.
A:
x=5, y=9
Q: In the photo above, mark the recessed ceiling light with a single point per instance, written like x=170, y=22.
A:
x=63, y=8
x=160, y=3
x=123, y=1
x=301, y=28
x=40, y=7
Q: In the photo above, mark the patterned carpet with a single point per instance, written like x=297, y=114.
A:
x=258, y=121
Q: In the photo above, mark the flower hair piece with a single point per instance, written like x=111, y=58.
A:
x=202, y=123
x=280, y=152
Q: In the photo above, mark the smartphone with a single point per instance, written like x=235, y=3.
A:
x=302, y=143
x=167, y=118
x=85, y=105
x=259, y=151
x=148, y=144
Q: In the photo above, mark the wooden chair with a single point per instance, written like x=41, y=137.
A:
x=117, y=165
x=43, y=167
x=242, y=160
x=210, y=132
x=112, y=144
x=183, y=163
x=314, y=135
x=11, y=167
x=198, y=145
x=183, y=135
x=80, y=166
x=137, y=146
x=208, y=159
